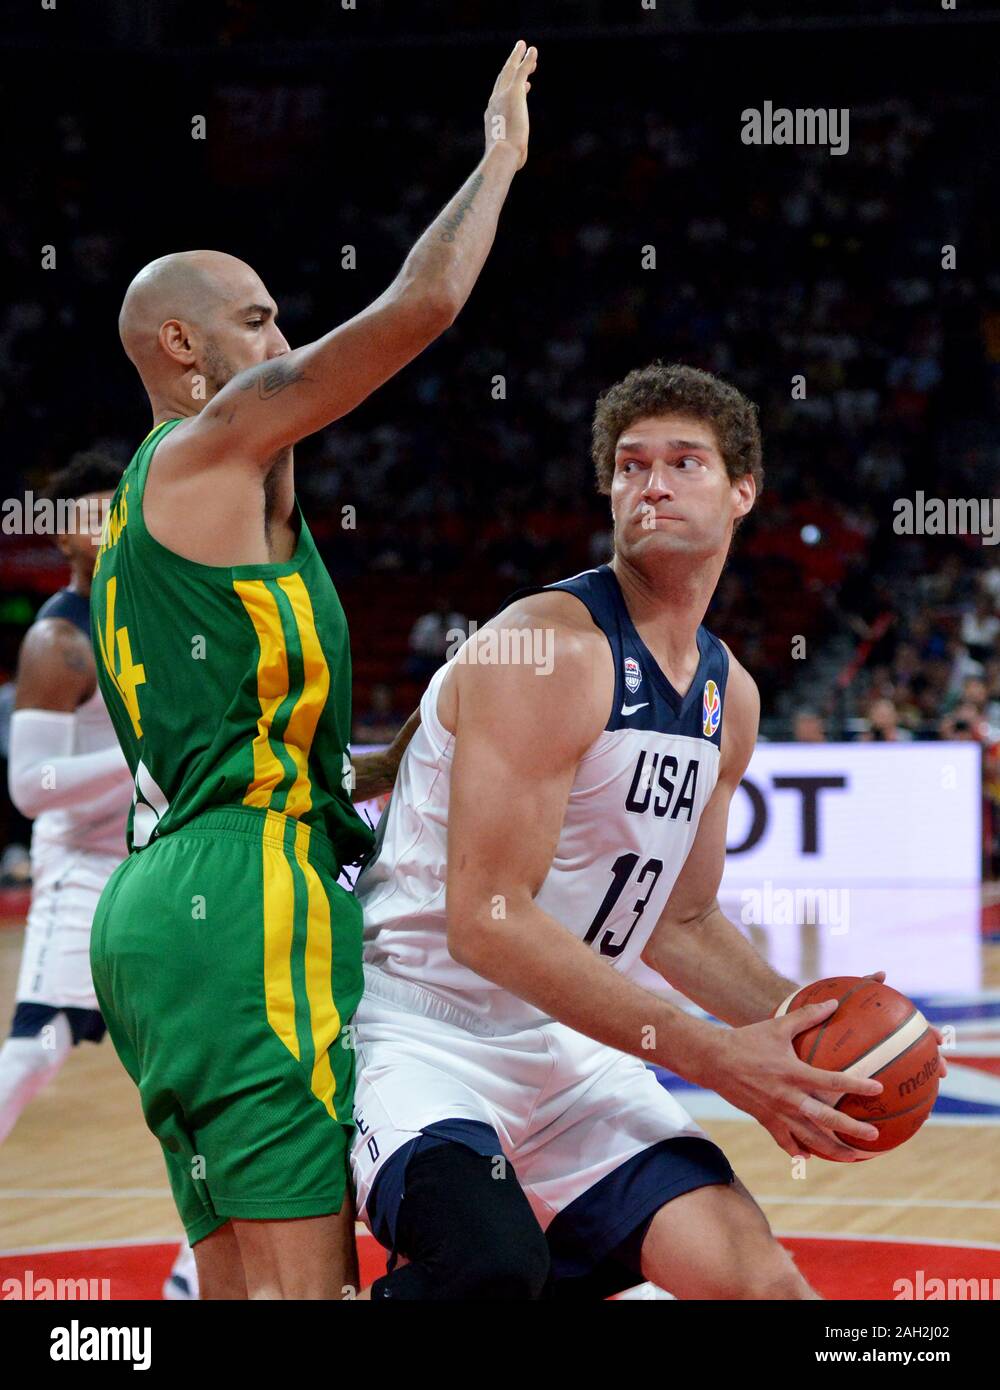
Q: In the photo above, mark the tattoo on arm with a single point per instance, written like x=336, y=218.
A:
x=272, y=378
x=453, y=222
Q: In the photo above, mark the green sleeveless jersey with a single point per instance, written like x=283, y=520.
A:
x=227, y=686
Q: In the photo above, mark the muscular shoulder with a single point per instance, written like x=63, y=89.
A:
x=56, y=668
x=543, y=667
x=741, y=719
x=573, y=631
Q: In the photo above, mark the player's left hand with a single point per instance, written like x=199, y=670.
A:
x=506, y=116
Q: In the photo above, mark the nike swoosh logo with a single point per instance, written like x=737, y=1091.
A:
x=631, y=709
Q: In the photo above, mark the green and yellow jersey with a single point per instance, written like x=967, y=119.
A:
x=228, y=686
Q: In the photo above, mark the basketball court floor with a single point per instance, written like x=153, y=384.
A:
x=83, y=1194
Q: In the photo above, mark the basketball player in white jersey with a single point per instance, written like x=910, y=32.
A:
x=66, y=773
x=559, y=816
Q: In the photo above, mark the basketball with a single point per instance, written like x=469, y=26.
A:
x=876, y=1032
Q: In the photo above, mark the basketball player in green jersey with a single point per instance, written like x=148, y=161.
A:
x=226, y=957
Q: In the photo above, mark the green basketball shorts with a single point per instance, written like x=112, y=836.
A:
x=227, y=963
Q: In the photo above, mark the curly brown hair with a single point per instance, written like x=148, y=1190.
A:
x=674, y=389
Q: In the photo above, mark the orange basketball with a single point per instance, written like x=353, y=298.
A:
x=876, y=1032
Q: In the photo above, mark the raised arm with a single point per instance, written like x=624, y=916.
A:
x=270, y=406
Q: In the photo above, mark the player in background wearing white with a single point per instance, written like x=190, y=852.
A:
x=67, y=774
x=561, y=814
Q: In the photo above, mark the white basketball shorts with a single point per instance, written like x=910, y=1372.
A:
x=566, y=1111
x=55, y=965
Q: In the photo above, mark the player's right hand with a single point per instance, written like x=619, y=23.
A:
x=756, y=1069
x=507, y=113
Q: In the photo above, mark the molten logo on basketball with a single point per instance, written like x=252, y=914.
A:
x=711, y=708
x=925, y=1073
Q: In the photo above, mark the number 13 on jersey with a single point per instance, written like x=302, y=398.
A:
x=116, y=652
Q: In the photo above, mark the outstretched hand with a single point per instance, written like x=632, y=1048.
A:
x=506, y=116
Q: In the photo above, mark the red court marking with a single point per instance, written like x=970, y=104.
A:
x=837, y=1268
x=869, y=1268
x=135, y=1271
x=371, y=1259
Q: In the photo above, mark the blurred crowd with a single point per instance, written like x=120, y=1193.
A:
x=241, y=23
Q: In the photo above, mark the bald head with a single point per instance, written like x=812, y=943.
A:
x=192, y=292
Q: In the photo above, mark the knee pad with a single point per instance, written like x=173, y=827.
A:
x=467, y=1233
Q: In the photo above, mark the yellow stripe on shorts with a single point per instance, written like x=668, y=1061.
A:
x=279, y=930
x=323, y=1015
x=272, y=687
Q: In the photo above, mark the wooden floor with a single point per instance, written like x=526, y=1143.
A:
x=81, y=1168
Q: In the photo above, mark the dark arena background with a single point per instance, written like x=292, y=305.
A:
x=853, y=293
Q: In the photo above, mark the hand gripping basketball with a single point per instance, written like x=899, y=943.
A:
x=756, y=1068
x=873, y=1032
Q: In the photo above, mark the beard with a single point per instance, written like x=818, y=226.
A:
x=218, y=369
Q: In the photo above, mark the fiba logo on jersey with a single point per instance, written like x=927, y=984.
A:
x=633, y=675
x=711, y=708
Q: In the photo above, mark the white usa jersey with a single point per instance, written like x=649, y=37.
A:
x=630, y=822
